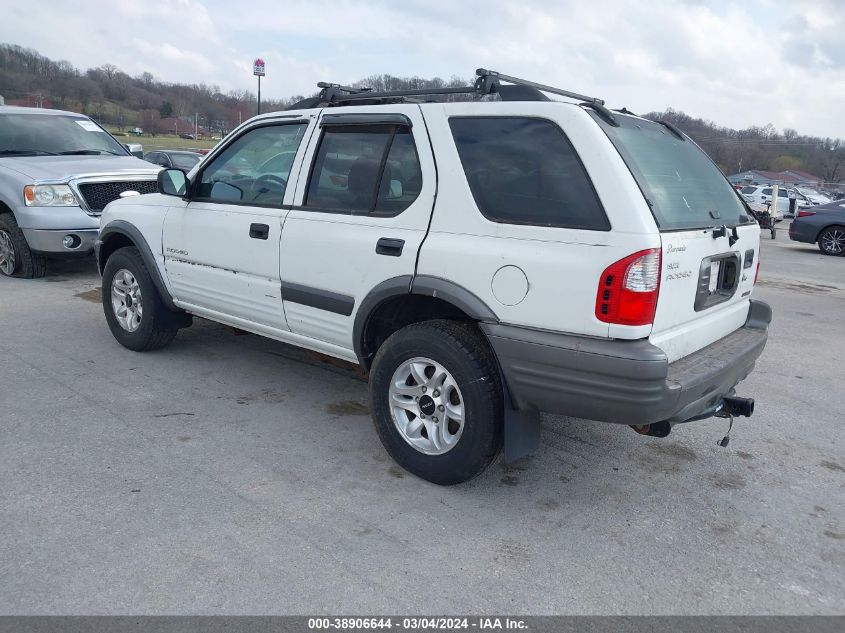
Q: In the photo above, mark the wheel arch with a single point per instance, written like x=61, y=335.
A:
x=119, y=234
x=401, y=301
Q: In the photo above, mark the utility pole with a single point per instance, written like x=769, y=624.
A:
x=196, y=128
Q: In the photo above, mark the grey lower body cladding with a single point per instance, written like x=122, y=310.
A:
x=626, y=382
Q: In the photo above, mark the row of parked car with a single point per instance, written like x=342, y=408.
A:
x=805, y=197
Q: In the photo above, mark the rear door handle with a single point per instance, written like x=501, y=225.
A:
x=259, y=231
x=390, y=246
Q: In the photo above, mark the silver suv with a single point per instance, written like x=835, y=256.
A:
x=58, y=170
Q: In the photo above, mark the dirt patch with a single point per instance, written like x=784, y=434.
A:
x=744, y=455
x=184, y=438
x=167, y=415
x=95, y=295
x=548, y=505
x=796, y=287
x=837, y=536
x=728, y=481
x=269, y=396
x=832, y=465
x=396, y=472
x=674, y=450
x=509, y=480
x=347, y=407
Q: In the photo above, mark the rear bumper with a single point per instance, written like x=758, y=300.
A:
x=802, y=232
x=627, y=382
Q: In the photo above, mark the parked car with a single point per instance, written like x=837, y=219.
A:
x=482, y=260
x=187, y=136
x=183, y=160
x=762, y=194
x=57, y=171
x=814, y=195
x=823, y=225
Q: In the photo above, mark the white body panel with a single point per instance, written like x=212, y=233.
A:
x=336, y=252
x=562, y=265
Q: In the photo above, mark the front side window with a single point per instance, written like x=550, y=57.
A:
x=525, y=171
x=250, y=170
x=365, y=169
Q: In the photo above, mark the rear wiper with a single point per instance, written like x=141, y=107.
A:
x=25, y=152
x=675, y=131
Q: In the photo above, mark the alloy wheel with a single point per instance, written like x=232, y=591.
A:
x=126, y=300
x=7, y=254
x=833, y=241
x=426, y=406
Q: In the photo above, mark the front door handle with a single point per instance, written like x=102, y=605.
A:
x=259, y=231
x=390, y=246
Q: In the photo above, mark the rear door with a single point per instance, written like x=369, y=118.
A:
x=709, y=241
x=361, y=210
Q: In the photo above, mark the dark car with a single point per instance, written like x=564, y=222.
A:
x=178, y=159
x=823, y=224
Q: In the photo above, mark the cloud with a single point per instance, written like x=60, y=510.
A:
x=737, y=62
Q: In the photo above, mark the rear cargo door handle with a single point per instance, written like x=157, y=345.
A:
x=259, y=231
x=390, y=246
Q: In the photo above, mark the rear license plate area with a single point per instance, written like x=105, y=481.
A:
x=718, y=279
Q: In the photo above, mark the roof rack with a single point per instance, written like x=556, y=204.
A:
x=488, y=82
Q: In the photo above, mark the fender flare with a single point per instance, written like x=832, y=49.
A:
x=122, y=227
x=424, y=285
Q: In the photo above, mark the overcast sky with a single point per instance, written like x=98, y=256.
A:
x=739, y=63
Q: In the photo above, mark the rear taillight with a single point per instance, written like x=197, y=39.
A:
x=628, y=289
x=806, y=214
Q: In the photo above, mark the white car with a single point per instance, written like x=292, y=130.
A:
x=814, y=196
x=762, y=195
x=482, y=260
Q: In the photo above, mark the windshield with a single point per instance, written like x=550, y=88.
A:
x=682, y=185
x=49, y=134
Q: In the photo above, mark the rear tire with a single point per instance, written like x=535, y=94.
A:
x=454, y=434
x=832, y=241
x=16, y=258
x=134, y=311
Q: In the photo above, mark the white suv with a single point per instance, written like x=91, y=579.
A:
x=483, y=260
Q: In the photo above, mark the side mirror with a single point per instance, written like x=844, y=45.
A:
x=136, y=149
x=173, y=182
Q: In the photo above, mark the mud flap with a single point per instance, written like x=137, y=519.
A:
x=522, y=430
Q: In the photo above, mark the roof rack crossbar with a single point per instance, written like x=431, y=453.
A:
x=482, y=72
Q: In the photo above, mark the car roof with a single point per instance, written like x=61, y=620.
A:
x=23, y=110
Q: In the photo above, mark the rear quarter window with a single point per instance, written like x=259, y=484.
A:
x=525, y=171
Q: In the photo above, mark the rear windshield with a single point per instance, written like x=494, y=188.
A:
x=683, y=187
x=25, y=134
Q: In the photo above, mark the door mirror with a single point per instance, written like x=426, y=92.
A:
x=135, y=149
x=173, y=182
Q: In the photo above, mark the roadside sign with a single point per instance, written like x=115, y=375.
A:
x=258, y=67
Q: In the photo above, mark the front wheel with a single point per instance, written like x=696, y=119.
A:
x=16, y=258
x=832, y=241
x=136, y=315
x=436, y=400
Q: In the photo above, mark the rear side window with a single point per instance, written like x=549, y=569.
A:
x=365, y=170
x=748, y=190
x=525, y=171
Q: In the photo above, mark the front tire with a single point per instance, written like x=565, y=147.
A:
x=832, y=241
x=16, y=258
x=136, y=315
x=436, y=400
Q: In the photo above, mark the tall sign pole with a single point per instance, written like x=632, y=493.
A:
x=258, y=71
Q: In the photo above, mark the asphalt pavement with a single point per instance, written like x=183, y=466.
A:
x=230, y=474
